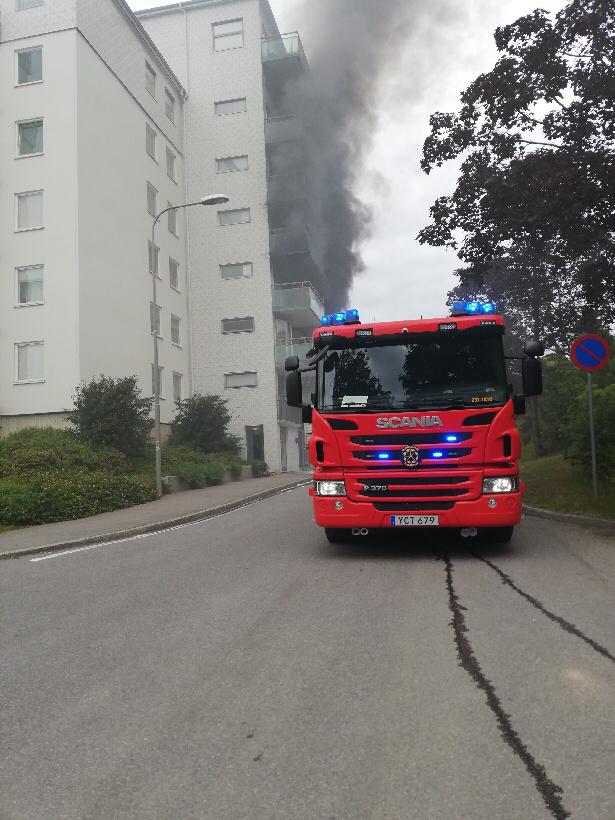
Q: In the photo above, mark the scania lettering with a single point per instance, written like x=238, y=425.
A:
x=413, y=423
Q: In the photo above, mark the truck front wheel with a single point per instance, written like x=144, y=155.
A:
x=336, y=535
x=497, y=535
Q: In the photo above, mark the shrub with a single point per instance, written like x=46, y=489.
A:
x=112, y=413
x=59, y=496
x=259, y=468
x=199, y=469
x=36, y=449
x=202, y=423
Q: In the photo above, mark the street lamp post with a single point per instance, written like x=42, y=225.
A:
x=213, y=199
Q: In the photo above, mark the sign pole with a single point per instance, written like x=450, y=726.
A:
x=592, y=435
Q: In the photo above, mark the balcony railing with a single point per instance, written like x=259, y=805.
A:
x=297, y=296
x=283, y=128
x=282, y=47
x=295, y=347
x=293, y=239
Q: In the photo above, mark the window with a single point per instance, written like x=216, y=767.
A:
x=177, y=386
x=173, y=273
x=175, y=332
x=171, y=165
x=169, y=105
x=237, y=217
x=151, y=199
x=238, y=106
x=29, y=285
x=228, y=35
x=29, y=210
x=240, y=380
x=150, y=80
x=154, y=318
x=160, y=381
x=20, y=5
x=172, y=218
x=236, y=270
x=244, y=325
x=228, y=164
x=152, y=262
x=30, y=65
x=150, y=141
x=29, y=138
x=29, y=362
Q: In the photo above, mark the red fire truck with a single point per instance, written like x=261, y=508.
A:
x=413, y=423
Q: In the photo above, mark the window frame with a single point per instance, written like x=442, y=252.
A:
x=180, y=377
x=169, y=97
x=177, y=343
x=233, y=265
x=40, y=191
x=172, y=218
x=221, y=37
x=156, y=192
x=241, y=386
x=150, y=131
x=160, y=382
x=34, y=5
x=157, y=318
x=151, y=73
x=230, y=113
x=170, y=153
x=177, y=287
x=19, y=51
x=17, y=346
x=150, y=265
x=237, y=319
x=18, y=126
x=232, y=170
x=20, y=268
x=234, y=210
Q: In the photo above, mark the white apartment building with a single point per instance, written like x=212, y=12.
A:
x=101, y=131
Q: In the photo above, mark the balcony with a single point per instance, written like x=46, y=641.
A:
x=296, y=347
x=283, y=59
x=286, y=188
x=295, y=239
x=285, y=128
x=298, y=303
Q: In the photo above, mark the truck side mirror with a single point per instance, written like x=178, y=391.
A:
x=306, y=414
x=291, y=363
x=518, y=405
x=531, y=369
x=294, y=389
x=534, y=348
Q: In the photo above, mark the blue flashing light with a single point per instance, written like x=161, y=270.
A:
x=487, y=307
x=384, y=456
x=451, y=438
x=437, y=454
x=473, y=307
x=341, y=318
x=461, y=308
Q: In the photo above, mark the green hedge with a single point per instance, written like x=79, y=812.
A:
x=199, y=469
x=60, y=495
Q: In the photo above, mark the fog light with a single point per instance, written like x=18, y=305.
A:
x=500, y=484
x=492, y=503
x=339, y=505
x=330, y=488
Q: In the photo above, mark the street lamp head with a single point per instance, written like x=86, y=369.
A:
x=214, y=199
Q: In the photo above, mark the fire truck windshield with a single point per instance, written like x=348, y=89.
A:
x=433, y=372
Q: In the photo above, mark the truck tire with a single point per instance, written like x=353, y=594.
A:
x=497, y=535
x=337, y=535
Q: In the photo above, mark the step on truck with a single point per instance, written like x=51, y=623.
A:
x=413, y=423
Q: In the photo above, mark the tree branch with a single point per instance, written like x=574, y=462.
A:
x=549, y=144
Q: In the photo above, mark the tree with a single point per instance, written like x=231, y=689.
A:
x=202, y=422
x=537, y=183
x=112, y=413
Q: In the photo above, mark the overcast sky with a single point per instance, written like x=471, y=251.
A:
x=404, y=279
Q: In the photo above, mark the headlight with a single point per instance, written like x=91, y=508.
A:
x=330, y=488
x=501, y=484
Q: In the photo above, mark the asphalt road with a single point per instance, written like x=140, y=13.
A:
x=244, y=668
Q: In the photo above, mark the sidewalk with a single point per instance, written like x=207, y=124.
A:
x=167, y=511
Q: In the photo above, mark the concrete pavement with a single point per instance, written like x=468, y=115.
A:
x=243, y=668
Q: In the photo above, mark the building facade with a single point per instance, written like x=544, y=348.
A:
x=110, y=118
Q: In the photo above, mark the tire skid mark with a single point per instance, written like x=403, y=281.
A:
x=550, y=792
x=565, y=625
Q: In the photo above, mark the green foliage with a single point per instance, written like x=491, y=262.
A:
x=112, y=413
x=259, y=468
x=60, y=496
x=202, y=423
x=40, y=449
x=553, y=483
x=533, y=201
x=199, y=469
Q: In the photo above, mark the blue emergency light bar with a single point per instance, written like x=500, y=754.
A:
x=344, y=317
x=461, y=308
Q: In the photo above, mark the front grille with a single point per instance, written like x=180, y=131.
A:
x=372, y=455
x=434, y=507
x=408, y=438
x=414, y=493
x=413, y=481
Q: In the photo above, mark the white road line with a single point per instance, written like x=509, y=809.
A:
x=88, y=547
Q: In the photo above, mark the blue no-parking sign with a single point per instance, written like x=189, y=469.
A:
x=590, y=352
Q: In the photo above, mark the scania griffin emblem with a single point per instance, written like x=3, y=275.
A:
x=410, y=455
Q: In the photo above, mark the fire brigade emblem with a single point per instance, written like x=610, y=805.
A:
x=410, y=455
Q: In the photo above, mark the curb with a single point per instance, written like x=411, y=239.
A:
x=158, y=526
x=569, y=518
